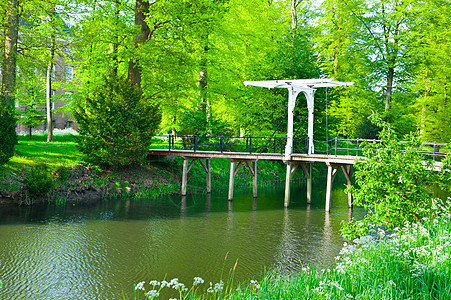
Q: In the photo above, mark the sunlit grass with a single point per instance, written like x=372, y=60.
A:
x=62, y=152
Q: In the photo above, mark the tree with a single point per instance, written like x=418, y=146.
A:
x=10, y=52
x=393, y=182
x=44, y=38
x=8, y=138
x=432, y=69
x=116, y=122
x=31, y=97
x=48, y=75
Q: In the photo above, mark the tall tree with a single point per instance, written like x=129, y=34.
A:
x=48, y=76
x=9, y=61
x=432, y=68
x=144, y=34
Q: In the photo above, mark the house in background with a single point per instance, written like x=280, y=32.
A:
x=60, y=98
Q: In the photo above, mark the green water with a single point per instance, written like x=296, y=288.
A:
x=100, y=251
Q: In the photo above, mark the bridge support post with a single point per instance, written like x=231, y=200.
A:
x=235, y=165
x=347, y=170
x=286, y=202
x=331, y=173
x=332, y=170
x=307, y=168
x=187, y=164
x=291, y=169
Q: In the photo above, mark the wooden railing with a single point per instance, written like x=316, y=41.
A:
x=276, y=145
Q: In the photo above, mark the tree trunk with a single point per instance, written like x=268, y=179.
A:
x=9, y=62
x=203, y=77
x=134, y=70
x=48, y=80
x=115, y=57
x=391, y=74
x=294, y=18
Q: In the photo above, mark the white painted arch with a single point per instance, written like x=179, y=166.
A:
x=294, y=87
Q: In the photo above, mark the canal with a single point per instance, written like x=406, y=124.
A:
x=99, y=251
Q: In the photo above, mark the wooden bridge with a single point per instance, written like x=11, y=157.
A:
x=336, y=154
x=294, y=152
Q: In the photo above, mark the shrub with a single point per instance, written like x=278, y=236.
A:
x=8, y=137
x=116, y=123
x=393, y=182
x=38, y=181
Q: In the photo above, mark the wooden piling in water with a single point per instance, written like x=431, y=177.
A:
x=332, y=170
x=188, y=162
x=291, y=169
x=235, y=165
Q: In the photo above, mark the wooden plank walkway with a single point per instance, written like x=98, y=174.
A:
x=333, y=159
x=249, y=161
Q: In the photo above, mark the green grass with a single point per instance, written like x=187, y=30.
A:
x=60, y=153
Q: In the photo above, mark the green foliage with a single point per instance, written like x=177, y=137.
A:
x=38, y=181
x=8, y=137
x=392, y=183
x=410, y=263
x=31, y=95
x=195, y=122
x=116, y=123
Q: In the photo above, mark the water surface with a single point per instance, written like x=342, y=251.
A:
x=100, y=251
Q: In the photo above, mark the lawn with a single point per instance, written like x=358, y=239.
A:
x=62, y=152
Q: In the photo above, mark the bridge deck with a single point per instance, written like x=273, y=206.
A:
x=330, y=159
x=237, y=159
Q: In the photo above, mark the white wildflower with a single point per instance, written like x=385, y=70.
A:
x=198, y=280
x=139, y=286
x=173, y=282
x=391, y=282
x=152, y=294
x=256, y=284
x=218, y=287
x=179, y=286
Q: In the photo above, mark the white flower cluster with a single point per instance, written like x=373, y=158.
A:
x=255, y=284
x=216, y=288
x=423, y=248
x=328, y=288
x=157, y=286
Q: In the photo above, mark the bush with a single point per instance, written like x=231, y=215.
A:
x=116, y=123
x=8, y=137
x=393, y=182
x=38, y=181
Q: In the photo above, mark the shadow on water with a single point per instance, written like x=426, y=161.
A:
x=100, y=251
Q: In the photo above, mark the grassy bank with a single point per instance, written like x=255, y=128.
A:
x=412, y=262
x=59, y=174
x=31, y=152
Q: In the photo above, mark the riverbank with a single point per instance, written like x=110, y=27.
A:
x=412, y=262
x=56, y=173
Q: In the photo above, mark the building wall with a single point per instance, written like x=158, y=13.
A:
x=60, y=97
